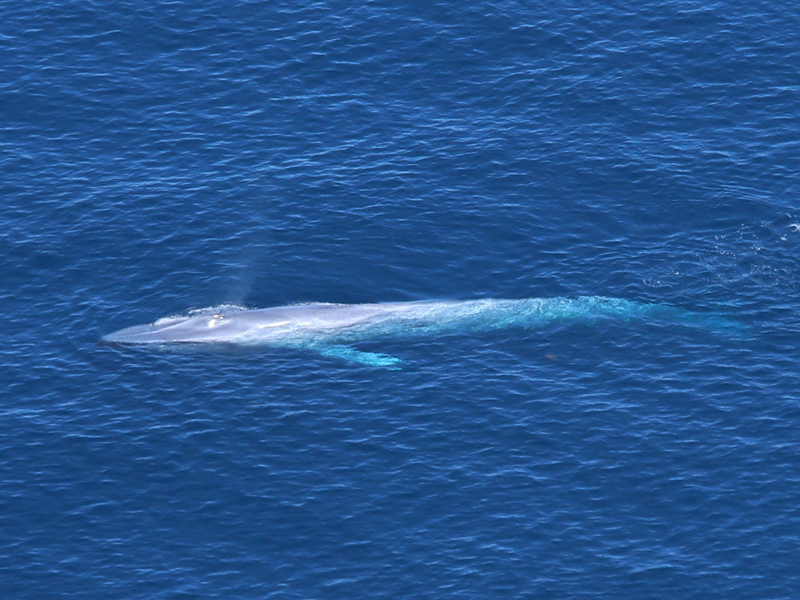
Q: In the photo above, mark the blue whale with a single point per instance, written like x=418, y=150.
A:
x=331, y=329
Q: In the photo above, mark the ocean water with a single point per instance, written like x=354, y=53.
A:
x=159, y=157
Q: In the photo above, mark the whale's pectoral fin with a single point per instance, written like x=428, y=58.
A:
x=349, y=354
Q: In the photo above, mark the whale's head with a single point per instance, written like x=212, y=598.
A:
x=282, y=325
x=204, y=328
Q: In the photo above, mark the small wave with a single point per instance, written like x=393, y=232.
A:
x=196, y=312
x=169, y=319
x=219, y=308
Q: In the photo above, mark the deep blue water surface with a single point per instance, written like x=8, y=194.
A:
x=163, y=156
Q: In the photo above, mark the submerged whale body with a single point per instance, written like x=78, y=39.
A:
x=330, y=328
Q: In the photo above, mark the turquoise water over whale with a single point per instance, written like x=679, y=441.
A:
x=164, y=158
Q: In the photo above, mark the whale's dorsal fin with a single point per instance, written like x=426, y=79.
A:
x=373, y=359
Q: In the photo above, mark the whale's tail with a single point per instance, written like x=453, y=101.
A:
x=666, y=313
x=538, y=312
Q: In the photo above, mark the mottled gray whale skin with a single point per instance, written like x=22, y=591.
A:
x=330, y=328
